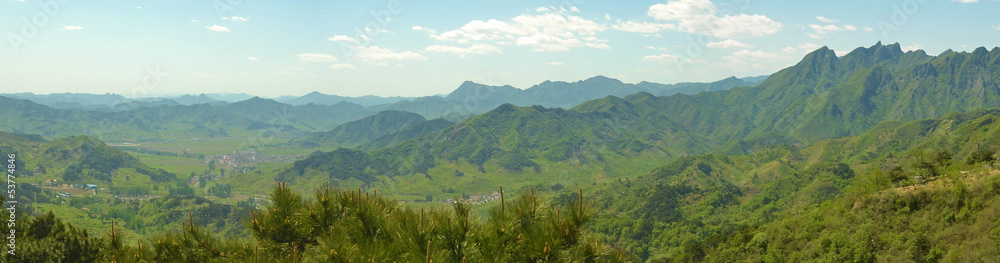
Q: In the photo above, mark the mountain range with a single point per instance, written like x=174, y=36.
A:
x=204, y=115
x=821, y=97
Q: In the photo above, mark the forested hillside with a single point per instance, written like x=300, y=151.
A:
x=711, y=206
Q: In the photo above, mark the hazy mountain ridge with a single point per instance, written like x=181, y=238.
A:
x=205, y=115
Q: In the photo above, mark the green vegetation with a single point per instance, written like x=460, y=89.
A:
x=878, y=155
x=341, y=226
x=78, y=159
x=789, y=204
x=355, y=133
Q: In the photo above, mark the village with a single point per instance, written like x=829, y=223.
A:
x=476, y=199
x=251, y=158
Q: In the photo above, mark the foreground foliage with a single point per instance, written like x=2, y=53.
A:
x=343, y=226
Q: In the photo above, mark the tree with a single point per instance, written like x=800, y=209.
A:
x=281, y=224
x=211, y=166
x=981, y=156
x=897, y=174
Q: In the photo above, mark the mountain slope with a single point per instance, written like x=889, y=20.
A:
x=78, y=159
x=361, y=131
x=697, y=200
x=418, y=130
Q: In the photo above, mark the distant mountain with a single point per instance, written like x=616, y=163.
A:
x=755, y=79
x=472, y=98
x=229, y=97
x=144, y=122
x=192, y=99
x=71, y=101
x=323, y=99
x=355, y=133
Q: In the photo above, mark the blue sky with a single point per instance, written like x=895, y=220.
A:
x=418, y=48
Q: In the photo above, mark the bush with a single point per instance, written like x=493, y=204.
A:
x=981, y=156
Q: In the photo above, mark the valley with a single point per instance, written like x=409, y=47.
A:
x=874, y=155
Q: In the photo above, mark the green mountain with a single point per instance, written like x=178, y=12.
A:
x=418, y=130
x=688, y=208
x=822, y=97
x=78, y=159
x=365, y=130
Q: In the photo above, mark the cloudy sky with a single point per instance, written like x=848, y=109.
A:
x=418, y=48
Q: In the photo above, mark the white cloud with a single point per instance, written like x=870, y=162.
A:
x=997, y=27
x=68, y=28
x=596, y=45
x=479, y=30
x=661, y=58
x=789, y=50
x=296, y=68
x=342, y=66
x=965, y=1
x=316, y=57
x=821, y=31
x=542, y=9
x=252, y=58
x=218, y=28
x=553, y=63
x=729, y=43
x=474, y=49
x=913, y=47
x=194, y=20
x=236, y=18
x=420, y=28
x=867, y=29
x=700, y=16
x=664, y=49
x=138, y=7
x=544, y=32
x=342, y=38
x=825, y=29
x=826, y=20
x=642, y=27
x=376, y=54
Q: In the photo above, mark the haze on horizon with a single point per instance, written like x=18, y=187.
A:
x=410, y=48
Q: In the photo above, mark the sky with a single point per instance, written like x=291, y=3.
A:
x=420, y=48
